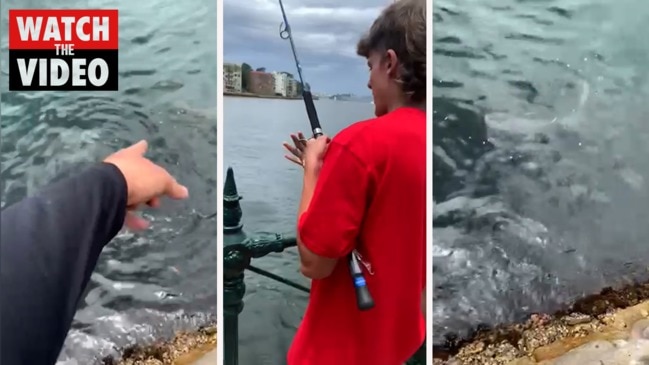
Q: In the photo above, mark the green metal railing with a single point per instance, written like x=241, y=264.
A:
x=238, y=251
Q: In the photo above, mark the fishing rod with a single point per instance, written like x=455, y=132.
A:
x=285, y=33
x=363, y=298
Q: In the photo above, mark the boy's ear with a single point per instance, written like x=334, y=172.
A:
x=391, y=63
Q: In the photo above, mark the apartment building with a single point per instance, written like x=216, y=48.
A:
x=232, y=77
x=262, y=83
x=291, y=88
x=281, y=83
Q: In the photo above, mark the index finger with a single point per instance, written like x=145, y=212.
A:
x=174, y=190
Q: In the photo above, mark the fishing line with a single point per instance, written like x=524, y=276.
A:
x=363, y=298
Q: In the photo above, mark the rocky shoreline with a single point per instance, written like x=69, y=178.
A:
x=186, y=348
x=611, y=327
x=608, y=328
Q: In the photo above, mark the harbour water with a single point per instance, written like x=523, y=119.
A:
x=540, y=152
x=146, y=285
x=270, y=186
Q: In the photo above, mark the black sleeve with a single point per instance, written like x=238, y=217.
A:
x=49, y=247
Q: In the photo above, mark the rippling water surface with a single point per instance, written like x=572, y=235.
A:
x=148, y=284
x=540, y=154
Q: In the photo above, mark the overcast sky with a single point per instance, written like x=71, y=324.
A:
x=325, y=33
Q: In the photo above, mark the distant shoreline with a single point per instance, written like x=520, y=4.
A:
x=253, y=95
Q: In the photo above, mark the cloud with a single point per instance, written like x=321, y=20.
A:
x=325, y=34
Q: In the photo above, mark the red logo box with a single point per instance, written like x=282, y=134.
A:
x=63, y=49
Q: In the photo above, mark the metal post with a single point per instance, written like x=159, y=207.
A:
x=233, y=267
x=238, y=250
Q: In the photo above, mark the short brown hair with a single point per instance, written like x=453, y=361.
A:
x=402, y=28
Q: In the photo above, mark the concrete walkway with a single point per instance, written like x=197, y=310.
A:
x=207, y=359
x=624, y=340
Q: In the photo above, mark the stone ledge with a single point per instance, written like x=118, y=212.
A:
x=617, y=339
x=186, y=348
x=208, y=358
x=611, y=327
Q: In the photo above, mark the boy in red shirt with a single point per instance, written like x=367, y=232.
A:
x=365, y=190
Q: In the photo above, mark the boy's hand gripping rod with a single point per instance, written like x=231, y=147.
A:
x=363, y=298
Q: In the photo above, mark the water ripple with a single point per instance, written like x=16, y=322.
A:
x=539, y=143
x=146, y=285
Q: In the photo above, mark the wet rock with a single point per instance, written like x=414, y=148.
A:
x=186, y=348
x=577, y=318
x=609, y=328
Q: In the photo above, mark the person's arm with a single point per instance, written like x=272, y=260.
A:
x=49, y=247
x=331, y=211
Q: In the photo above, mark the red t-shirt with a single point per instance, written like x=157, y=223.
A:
x=370, y=195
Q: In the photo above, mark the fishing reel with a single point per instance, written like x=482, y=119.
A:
x=364, y=300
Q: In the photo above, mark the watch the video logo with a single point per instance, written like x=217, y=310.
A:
x=63, y=50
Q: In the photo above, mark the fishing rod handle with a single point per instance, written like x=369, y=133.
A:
x=311, y=113
x=364, y=300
